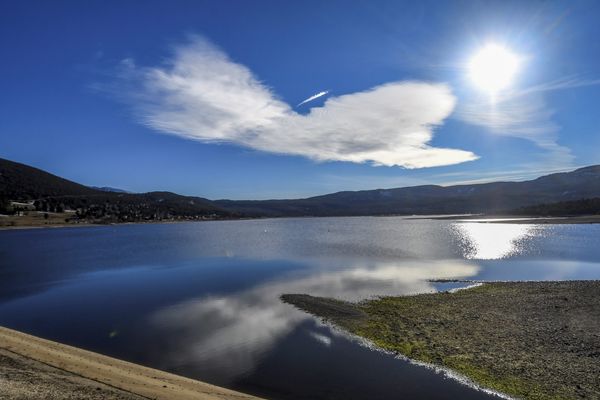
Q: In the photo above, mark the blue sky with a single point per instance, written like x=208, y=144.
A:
x=200, y=97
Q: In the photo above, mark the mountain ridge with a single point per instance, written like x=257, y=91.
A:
x=436, y=199
x=25, y=183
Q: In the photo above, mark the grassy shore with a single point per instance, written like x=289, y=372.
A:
x=34, y=219
x=37, y=369
x=531, y=340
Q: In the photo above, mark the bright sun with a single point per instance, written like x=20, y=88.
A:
x=493, y=68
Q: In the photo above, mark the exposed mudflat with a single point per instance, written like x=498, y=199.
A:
x=532, y=340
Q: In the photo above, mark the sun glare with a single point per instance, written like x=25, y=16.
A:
x=493, y=68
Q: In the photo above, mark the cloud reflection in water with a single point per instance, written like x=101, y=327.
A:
x=230, y=333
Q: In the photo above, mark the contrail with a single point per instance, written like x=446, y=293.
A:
x=311, y=98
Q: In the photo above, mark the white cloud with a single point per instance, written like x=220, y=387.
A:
x=201, y=94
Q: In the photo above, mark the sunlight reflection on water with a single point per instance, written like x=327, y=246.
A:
x=492, y=241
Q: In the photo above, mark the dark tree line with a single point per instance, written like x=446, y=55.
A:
x=113, y=208
x=4, y=205
x=563, y=208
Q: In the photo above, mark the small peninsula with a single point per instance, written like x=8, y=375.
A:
x=530, y=340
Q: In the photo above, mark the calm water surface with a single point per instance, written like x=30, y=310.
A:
x=202, y=299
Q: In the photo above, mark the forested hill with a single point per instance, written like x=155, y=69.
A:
x=563, y=208
x=50, y=193
x=22, y=182
x=495, y=197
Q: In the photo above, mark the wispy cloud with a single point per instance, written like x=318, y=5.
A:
x=201, y=94
x=525, y=114
x=519, y=173
x=569, y=82
x=311, y=98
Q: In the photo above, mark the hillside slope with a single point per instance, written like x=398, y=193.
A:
x=431, y=199
x=23, y=182
x=50, y=193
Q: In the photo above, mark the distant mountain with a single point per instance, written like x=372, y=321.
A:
x=110, y=189
x=496, y=197
x=20, y=182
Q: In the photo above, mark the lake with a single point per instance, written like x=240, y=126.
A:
x=202, y=299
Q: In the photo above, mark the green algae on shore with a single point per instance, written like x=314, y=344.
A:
x=531, y=340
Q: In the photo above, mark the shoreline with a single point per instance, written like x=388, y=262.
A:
x=533, y=340
x=493, y=219
x=520, y=219
x=113, y=224
x=37, y=368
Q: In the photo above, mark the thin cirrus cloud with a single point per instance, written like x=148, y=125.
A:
x=525, y=114
x=201, y=94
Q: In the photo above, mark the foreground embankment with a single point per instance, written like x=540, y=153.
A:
x=33, y=368
x=531, y=340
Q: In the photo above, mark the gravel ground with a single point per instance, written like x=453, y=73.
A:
x=532, y=340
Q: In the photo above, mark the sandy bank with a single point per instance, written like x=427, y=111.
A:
x=35, y=368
